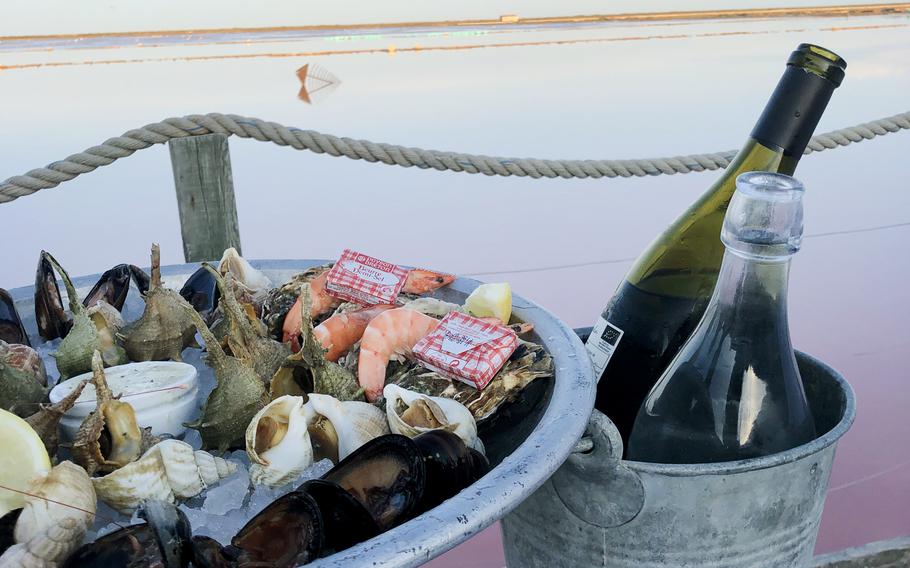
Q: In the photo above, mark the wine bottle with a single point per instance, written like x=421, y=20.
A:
x=665, y=293
x=734, y=391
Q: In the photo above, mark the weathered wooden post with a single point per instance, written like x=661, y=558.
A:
x=205, y=196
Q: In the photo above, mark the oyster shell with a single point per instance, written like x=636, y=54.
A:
x=109, y=437
x=411, y=414
x=57, y=512
x=528, y=363
x=245, y=336
x=432, y=306
x=338, y=427
x=278, y=443
x=164, y=330
x=168, y=471
x=22, y=379
x=92, y=330
x=279, y=300
x=238, y=395
x=46, y=421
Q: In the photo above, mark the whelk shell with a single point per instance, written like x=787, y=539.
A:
x=21, y=379
x=337, y=428
x=278, y=443
x=46, y=421
x=59, y=509
x=411, y=414
x=168, y=471
x=164, y=329
x=109, y=437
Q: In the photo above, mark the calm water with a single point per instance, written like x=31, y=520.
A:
x=602, y=91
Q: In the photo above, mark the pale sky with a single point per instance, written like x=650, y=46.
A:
x=38, y=17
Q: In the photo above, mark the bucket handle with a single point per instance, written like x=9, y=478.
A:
x=595, y=469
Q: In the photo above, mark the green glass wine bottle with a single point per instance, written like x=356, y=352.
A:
x=665, y=293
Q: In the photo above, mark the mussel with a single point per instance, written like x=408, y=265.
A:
x=114, y=285
x=11, y=328
x=201, y=291
x=53, y=322
x=163, y=540
x=387, y=475
x=345, y=520
x=450, y=466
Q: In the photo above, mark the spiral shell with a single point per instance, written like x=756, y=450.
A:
x=278, y=443
x=411, y=413
x=351, y=423
x=168, y=471
x=57, y=512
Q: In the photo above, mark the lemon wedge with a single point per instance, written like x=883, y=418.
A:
x=22, y=460
x=494, y=299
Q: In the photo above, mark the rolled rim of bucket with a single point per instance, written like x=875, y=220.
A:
x=506, y=485
x=723, y=468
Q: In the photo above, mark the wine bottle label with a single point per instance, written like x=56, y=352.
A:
x=602, y=343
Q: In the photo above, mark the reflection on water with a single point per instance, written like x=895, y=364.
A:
x=315, y=81
x=588, y=92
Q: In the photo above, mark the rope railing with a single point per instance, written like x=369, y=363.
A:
x=392, y=154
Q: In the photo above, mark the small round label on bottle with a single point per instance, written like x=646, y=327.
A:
x=602, y=343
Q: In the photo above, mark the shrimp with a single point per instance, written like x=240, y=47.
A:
x=341, y=331
x=391, y=333
x=322, y=302
x=418, y=281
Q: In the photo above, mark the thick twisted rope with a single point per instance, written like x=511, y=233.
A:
x=391, y=154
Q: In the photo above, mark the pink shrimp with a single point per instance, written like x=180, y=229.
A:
x=320, y=303
x=394, y=332
x=341, y=331
x=420, y=281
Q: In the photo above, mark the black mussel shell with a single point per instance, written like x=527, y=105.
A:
x=451, y=466
x=11, y=328
x=208, y=553
x=201, y=291
x=387, y=475
x=142, y=280
x=53, y=322
x=345, y=520
x=164, y=540
x=7, y=526
x=289, y=532
x=112, y=287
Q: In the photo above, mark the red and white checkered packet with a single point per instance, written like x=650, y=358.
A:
x=365, y=280
x=466, y=349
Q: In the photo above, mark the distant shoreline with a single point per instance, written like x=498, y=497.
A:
x=516, y=20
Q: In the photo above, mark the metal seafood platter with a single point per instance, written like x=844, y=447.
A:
x=523, y=452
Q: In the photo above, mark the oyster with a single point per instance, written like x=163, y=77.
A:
x=168, y=471
x=432, y=306
x=308, y=370
x=11, y=328
x=245, y=337
x=337, y=428
x=411, y=413
x=278, y=443
x=57, y=512
x=164, y=330
x=528, y=363
x=162, y=541
x=22, y=379
x=238, y=395
x=93, y=330
x=109, y=437
x=46, y=421
x=279, y=300
x=52, y=320
x=387, y=475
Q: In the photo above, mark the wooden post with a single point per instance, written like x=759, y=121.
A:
x=205, y=196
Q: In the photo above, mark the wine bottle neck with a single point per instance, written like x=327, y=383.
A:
x=749, y=289
x=793, y=112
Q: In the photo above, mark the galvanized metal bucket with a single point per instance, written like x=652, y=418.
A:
x=599, y=510
x=524, y=453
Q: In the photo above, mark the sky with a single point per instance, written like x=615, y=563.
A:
x=30, y=17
